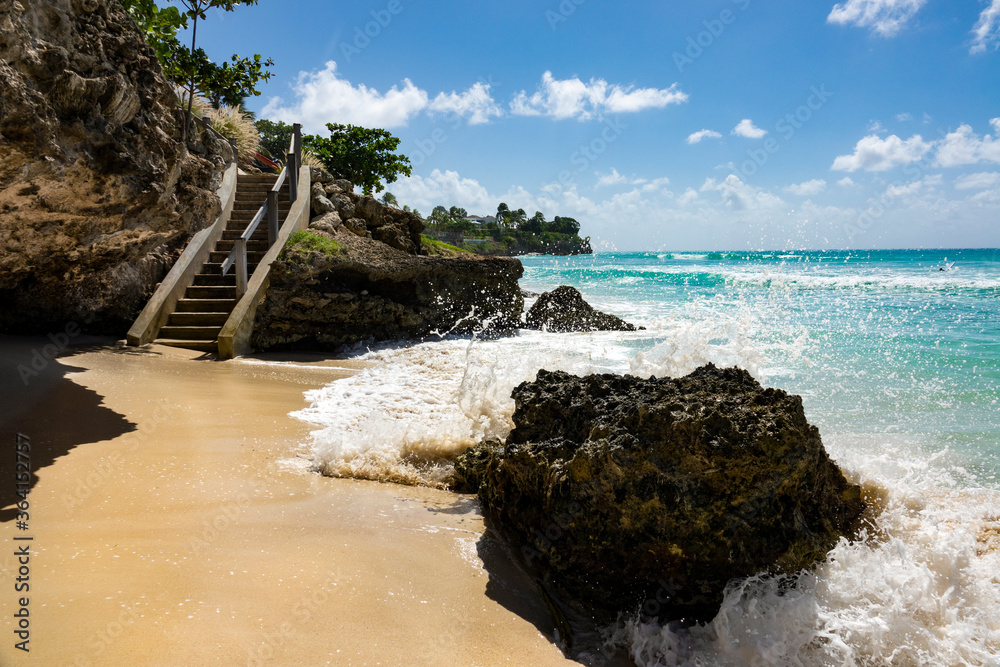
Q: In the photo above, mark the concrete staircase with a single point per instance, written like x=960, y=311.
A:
x=203, y=310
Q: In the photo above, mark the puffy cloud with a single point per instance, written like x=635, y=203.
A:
x=740, y=196
x=572, y=98
x=884, y=17
x=980, y=181
x=614, y=178
x=912, y=188
x=696, y=137
x=476, y=104
x=323, y=95
x=963, y=146
x=986, y=32
x=808, y=188
x=875, y=154
x=444, y=186
x=656, y=184
x=746, y=128
x=846, y=182
x=689, y=197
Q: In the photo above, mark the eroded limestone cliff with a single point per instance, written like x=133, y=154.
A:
x=97, y=194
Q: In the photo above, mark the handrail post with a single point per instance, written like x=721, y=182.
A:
x=272, y=217
x=297, y=144
x=241, y=267
x=293, y=177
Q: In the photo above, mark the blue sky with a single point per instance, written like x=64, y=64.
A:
x=726, y=124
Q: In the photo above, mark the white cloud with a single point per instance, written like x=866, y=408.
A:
x=874, y=154
x=696, y=137
x=986, y=32
x=614, y=178
x=740, y=196
x=476, y=103
x=655, y=184
x=884, y=17
x=746, y=128
x=572, y=98
x=690, y=196
x=963, y=146
x=904, y=117
x=808, y=188
x=980, y=181
x=875, y=127
x=846, y=182
x=909, y=189
x=322, y=96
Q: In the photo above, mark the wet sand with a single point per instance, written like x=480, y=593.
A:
x=173, y=524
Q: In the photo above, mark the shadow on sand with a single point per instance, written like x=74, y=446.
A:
x=42, y=403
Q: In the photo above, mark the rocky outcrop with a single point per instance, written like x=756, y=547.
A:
x=334, y=203
x=328, y=290
x=97, y=194
x=624, y=492
x=563, y=309
x=512, y=243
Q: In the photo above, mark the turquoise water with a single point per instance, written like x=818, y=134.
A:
x=898, y=364
x=876, y=342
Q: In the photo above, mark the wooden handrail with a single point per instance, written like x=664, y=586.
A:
x=238, y=255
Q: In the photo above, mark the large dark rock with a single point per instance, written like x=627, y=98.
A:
x=98, y=196
x=627, y=492
x=363, y=289
x=563, y=309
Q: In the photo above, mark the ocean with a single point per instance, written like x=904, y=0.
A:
x=898, y=365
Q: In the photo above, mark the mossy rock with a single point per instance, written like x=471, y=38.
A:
x=630, y=493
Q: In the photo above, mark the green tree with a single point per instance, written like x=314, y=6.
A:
x=193, y=64
x=457, y=214
x=191, y=68
x=389, y=199
x=517, y=218
x=159, y=25
x=361, y=155
x=503, y=211
x=564, y=225
x=275, y=137
x=536, y=224
x=439, y=216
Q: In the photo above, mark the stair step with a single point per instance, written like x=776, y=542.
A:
x=190, y=332
x=196, y=319
x=217, y=279
x=210, y=292
x=205, y=306
x=253, y=256
x=259, y=234
x=200, y=345
x=253, y=245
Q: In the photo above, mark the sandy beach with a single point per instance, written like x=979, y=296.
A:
x=171, y=523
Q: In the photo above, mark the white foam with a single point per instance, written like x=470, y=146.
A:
x=923, y=592
x=403, y=419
